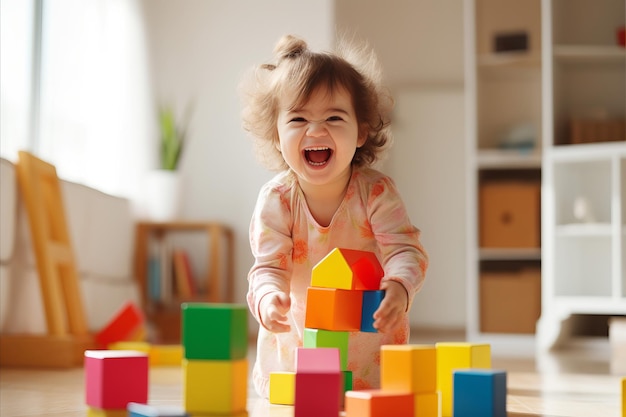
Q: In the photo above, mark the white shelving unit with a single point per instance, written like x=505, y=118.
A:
x=503, y=93
x=584, y=185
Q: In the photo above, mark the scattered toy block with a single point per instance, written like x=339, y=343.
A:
x=333, y=309
x=282, y=388
x=348, y=269
x=99, y=412
x=113, y=378
x=215, y=386
x=319, y=382
x=144, y=347
x=452, y=356
x=214, y=331
x=166, y=355
x=125, y=325
x=408, y=368
x=379, y=403
x=317, y=338
x=145, y=410
x=371, y=302
x=428, y=404
x=479, y=392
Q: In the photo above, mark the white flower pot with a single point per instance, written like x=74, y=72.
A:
x=163, y=195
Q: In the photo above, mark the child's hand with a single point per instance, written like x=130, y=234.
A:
x=393, y=307
x=273, y=311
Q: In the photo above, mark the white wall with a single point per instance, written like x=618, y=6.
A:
x=199, y=50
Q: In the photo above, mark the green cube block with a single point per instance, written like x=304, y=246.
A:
x=213, y=331
x=315, y=338
x=347, y=381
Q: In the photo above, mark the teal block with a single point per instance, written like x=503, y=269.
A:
x=479, y=392
x=317, y=338
x=371, y=302
x=212, y=331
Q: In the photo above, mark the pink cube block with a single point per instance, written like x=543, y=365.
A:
x=114, y=378
x=318, y=394
x=317, y=360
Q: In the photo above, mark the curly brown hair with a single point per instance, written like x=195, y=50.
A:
x=296, y=68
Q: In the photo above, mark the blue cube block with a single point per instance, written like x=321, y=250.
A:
x=479, y=392
x=371, y=302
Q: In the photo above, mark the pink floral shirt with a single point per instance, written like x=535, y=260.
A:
x=287, y=242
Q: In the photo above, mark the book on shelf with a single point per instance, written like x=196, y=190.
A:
x=185, y=282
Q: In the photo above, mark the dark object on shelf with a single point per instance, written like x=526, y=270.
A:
x=621, y=36
x=597, y=130
x=511, y=42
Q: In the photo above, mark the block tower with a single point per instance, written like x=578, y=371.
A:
x=215, y=364
x=344, y=293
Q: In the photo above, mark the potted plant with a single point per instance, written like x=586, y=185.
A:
x=163, y=187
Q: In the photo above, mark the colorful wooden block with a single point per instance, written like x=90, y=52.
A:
x=166, y=355
x=99, y=412
x=124, y=325
x=410, y=368
x=452, y=356
x=318, y=394
x=379, y=403
x=282, y=388
x=347, y=381
x=316, y=338
x=371, y=302
x=145, y=410
x=113, y=378
x=317, y=360
x=215, y=387
x=144, y=347
x=213, y=331
x=333, y=309
x=348, y=269
x=479, y=392
x=428, y=404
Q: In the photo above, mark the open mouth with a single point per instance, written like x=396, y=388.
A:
x=318, y=156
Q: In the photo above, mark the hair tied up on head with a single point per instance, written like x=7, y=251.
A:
x=290, y=47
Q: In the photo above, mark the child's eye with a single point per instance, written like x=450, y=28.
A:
x=334, y=119
x=298, y=120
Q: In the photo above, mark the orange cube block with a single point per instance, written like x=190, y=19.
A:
x=379, y=403
x=411, y=368
x=333, y=309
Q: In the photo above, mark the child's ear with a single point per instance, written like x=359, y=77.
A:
x=362, y=137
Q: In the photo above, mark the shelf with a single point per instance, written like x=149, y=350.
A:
x=587, y=151
x=590, y=53
x=584, y=229
x=521, y=254
x=508, y=159
x=506, y=59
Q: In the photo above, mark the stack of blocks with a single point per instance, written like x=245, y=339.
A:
x=417, y=381
x=114, y=378
x=215, y=364
x=342, y=298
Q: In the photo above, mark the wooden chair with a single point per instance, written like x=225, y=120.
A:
x=57, y=270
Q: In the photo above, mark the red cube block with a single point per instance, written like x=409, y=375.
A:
x=114, y=378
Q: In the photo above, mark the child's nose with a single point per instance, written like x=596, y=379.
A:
x=317, y=128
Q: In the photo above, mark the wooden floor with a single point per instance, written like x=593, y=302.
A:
x=569, y=383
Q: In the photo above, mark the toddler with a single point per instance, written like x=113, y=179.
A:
x=321, y=120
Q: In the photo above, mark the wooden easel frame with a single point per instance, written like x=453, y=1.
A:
x=58, y=275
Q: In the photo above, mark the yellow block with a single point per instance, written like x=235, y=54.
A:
x=623, y=397
x=99, y=412
x=215, y=386
x=282, y=388
x=166, y=355
x=411, y=368
x=428, y=404
x=137, y=346
x=332, y=272
x=453, y=356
